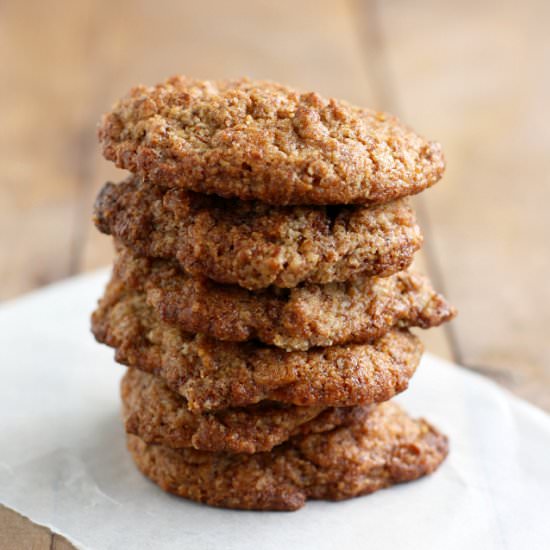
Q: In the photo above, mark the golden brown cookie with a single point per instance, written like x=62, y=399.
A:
x=255, y=245
x=387, y=447
x=359, y=310
x=214, y=375
x=157, y=415
x=264, y=141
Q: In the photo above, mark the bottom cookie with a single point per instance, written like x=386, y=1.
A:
x=388, y=447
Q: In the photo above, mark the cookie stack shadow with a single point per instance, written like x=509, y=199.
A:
x=261, y=295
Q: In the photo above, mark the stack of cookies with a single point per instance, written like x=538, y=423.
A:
x=260, y=295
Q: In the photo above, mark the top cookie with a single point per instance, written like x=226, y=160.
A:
x=261, y=140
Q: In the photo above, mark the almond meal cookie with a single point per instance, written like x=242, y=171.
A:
x=264, y=141
x=255, y=245
x=359, y=310
x=387, y=447
x=214, y=375
x=157, y=415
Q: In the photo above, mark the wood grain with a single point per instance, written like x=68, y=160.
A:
x=18, y=532
x=477, y=80
x=43, y=112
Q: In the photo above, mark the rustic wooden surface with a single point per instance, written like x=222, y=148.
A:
x=473, y=75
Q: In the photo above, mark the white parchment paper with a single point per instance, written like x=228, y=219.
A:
x=63, y=461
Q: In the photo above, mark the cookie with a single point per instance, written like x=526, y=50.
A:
x=358, y=311
x=254, y=245
x=157, y=415
x=214, y=375
x=264, y=141
x=387, y=447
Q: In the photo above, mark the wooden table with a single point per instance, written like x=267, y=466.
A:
x=475, y=76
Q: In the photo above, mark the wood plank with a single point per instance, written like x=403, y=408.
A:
x=60, y=543
x=43, y=108
x=18, y=532
x=475, y=78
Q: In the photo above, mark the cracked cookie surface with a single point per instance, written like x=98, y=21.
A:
x=265, y=141
x=387, y=447
x=157, y=415
x=214, y=375
x=255, y=245
x=359, y=310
